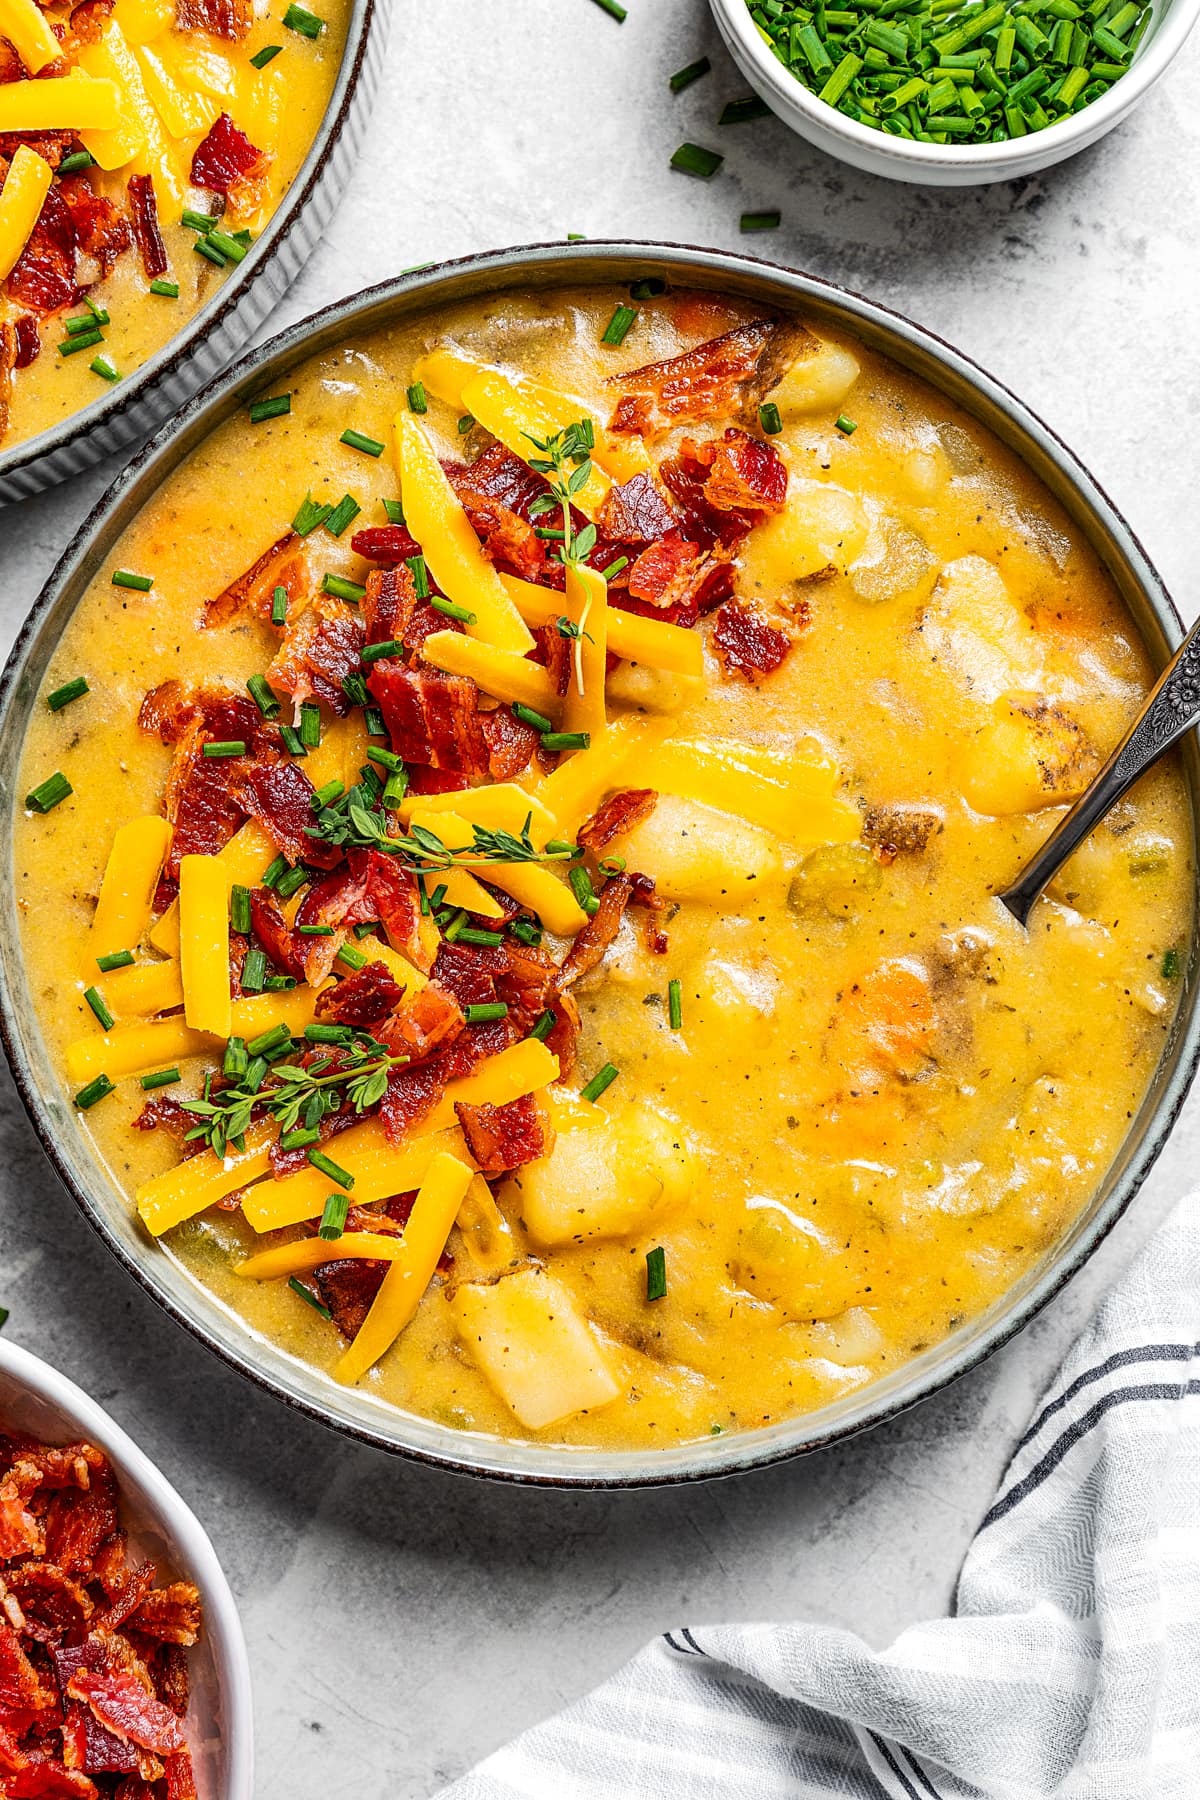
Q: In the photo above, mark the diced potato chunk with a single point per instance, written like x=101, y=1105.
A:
x=1033, y=754
x=795, y=1262
x=977, y=632
x=696, y=853
x=821, y=525
x=610, y=1179
x=818, y=382
x=530, y=1339
x=896, y=564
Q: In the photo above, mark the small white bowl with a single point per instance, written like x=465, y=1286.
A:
x=949, y=165
x=35, y=1398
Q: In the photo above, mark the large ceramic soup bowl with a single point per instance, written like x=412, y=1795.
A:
x=167, y=172
x=503, y=948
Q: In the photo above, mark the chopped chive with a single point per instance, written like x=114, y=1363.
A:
x=116, y=959
x=163, y=1078
x=310, y=515
x=315, y=930
x=373, y=721
x=483, y=1011
x=544, y=1025
x=267, y=1041
x=761, y=221
x=581, y=886
x=694, y=159
x=95, y=1090
x=341, y=589
x=417, y=402
x=358, y=440
x=78, y=159
x=208, y=250
x=675, y=1005
x=846, y=426
x=83, y=340
x=105, y=367
x=451, y=610
x=310, y=725
x=387, y=759
x=234, y=251
x=274, y=408
x=333, y=1218
x=267, y=54
x=229, y=747
x=332, y=790
x=346, y=510
x=617, y=329
x=299, y=1137
x=475, y=934
x=328, y=1034
x=274, y=870
x=327, y=1166
x=264, y=696
x=603, y=1078
x=395, y=788
x=372, y=652
x=48, y=793
x=256, y=1068
x=1170, y=965
x=353, y=957
x=527, y=716
x=63, y=696
x=124, y=578
x=298, y=18
x=298, y=1288
x=683, y=78
x=289, y=883
x=420, y=574
x=279, y=606
x=96, y=1001
x=366, y=928
x=656, y=1273
x=769, y=419
x=197, y=221
x=82, y=323
x=393, y=512
x=239, y=909
x=290, y=739
x=566, y=740
x=254, y=971
x=526, y=932
x=614, y=9
x=236, y=1060
x=614, y=568
x=465, y=424
x=738, y=112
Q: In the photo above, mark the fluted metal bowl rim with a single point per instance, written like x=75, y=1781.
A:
x=301, y=1386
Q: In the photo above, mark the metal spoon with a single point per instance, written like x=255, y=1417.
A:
x=1172, y=708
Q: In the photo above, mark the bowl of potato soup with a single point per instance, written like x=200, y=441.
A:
x=501, y=933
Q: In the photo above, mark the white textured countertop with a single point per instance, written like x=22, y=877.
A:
x=402, y=1622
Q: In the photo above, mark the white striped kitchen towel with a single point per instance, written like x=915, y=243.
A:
x=1071, y=1667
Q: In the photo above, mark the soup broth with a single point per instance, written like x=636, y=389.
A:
x=825, y=1100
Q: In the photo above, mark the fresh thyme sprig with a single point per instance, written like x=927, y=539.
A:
x=354, y=826
x=566, y=461
x=296, y=1096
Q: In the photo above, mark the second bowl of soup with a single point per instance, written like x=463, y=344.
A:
x=505, y=843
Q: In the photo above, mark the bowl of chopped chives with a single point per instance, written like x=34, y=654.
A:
x=947, y=94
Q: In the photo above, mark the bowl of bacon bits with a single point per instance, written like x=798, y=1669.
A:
x=123, y=1670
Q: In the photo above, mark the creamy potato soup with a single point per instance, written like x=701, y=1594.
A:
x=514, y=903
x=144, y=145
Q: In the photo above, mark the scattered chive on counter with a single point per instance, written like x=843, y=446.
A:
x=761, y=221
x=683, y=78
x=614, y=9
x=940, y=72
x=740, y=112
x=694, y=159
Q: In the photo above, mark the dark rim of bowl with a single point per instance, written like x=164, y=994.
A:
x=114, y=403
x=617, y=260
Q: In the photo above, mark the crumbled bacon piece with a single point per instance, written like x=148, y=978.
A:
x=745, y=475
x=507, y=538
x=727, y=375
x=229, y=19
x=504, y=1137
x=397, y=905
x=101, y=230
x=348, y=1287
x=620, y=812
x=198, y=800
x=227, y=162
x=123, y=1706
x=431, y=717
x=143, y=210
x=423, y=1022
x=511, y=744
x=89, y=18
x=22, y=1695
x=171, y=1116
x=273, y=932
x=662, y=573
x=53, y=1606
x=594, y=940
x=129, y=1596
x=411, y=1093
x=635, y=512
x=363, y=999
x=385, y=544
x=284, y=565
x=318, y=652
x=392, y=612
x=280, y=796
x=747, y=644
x=43, y=277
x=500, y=476
x=468, y=972
x=29, y=340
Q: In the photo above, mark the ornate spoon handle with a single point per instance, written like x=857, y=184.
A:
x=1172, y=708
